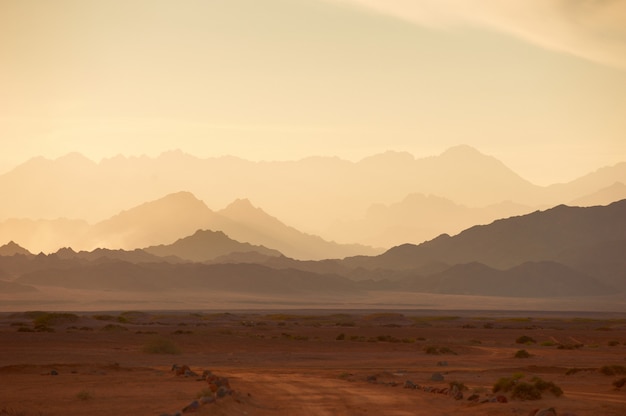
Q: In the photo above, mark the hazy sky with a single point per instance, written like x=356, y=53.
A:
x=539, y=84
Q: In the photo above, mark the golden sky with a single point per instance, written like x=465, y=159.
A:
x=539, y=84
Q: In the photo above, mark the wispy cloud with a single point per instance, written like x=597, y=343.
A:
x=591, y=29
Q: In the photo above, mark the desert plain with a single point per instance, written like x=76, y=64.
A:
x=311, y=362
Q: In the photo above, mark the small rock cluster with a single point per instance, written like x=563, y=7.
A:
x=219, y=386
x=453, y=391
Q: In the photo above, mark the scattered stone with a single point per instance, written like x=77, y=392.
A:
x=207, y=400
x=192, y=407
x=180, y=370
x=409, y=385
x=545, y=412
x=474, y=398
x=437, y=377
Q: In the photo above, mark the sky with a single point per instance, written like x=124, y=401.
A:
x=539, y=84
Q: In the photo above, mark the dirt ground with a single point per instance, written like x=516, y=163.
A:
x=307, y=362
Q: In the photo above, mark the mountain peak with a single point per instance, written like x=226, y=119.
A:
x=11, y=248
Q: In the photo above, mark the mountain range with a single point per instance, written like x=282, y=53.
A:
x=380, y=201
x=560, y=252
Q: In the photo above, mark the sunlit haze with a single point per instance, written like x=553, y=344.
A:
x=540, y=85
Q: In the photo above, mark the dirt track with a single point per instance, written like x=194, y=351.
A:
x=294, y=364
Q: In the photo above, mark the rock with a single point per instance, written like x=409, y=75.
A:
x=207, y=400
x=442, y=363
x=223, y=391
x=546, y=412
x=409, y=385
x=501, y=399
x=189, y=373
x=371, y=379
x=473, y=398
x=192, y=407
x=54, y=373
x=437, y=377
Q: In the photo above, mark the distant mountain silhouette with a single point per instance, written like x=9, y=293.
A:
x=604, y=196
x=309, y=194
x=204, y=246
x=13, y=287
x=561, y=234
x=419, y=218
x=12, y=248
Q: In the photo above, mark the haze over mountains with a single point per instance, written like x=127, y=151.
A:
x=551, y=254
x=381, y=201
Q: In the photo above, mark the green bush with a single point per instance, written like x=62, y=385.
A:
x=525, y=391
x=522, y=354
x=161, y=346
x=55, y=318
x=525, y=339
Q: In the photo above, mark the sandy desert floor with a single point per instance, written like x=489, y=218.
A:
x=307, y=362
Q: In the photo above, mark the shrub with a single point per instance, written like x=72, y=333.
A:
x=548, y=344
x=506, y=384
x=84, y=395
x=525, y=391
x=618, y=384
x=543, y=385
x=114, y=327
x=55, y=318
x=431, y=349
x=613, y=343
x=525, y=339
x=341, y=337
x=161, y=346
x=522, y=354
x=611, y=370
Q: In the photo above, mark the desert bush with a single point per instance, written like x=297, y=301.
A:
x=548, y=344
x=611, y=370
x=506, y=384
x=55, y=318
x=522, y=354
x=543, y=385
x=113, y=328
x=84, y=395
x=525, y=339
x=569, y=346
x=161, y=346
x=434, y=350
x=525, y=391
x=613, y=343
x=25, y=329
x=619, y=383
x=341, y=337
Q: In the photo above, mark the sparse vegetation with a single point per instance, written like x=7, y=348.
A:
x=613, y=343
x=84, y=395
x=434, y=350
x=525, y=339
x=523, y=390
x=55, y=318
x=114, y=327
x=619, y=383
x=161, y=346
x=612, y=370
x=341, y=337
x=522, y=354
x=548, y=344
